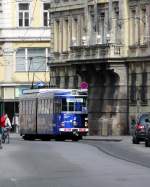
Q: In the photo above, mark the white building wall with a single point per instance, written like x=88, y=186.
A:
x=6, y=20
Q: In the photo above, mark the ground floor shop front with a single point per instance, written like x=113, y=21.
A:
x=9, y=101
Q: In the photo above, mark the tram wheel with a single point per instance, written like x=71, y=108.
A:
x=60, y=138
x=75, y=139
x=27, y=137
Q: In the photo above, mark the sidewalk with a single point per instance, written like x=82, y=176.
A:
x=104, y=138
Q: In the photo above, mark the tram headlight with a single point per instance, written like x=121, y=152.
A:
x=86, y=124
x=75, y=123
x=62, y=124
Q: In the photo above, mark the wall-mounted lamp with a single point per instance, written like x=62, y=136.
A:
x=98, y=39
x=74, y=41
x=84, y=40
x=108, y=38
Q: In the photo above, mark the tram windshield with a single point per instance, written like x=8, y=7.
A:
x=74, y=104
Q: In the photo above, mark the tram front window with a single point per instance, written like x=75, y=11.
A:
x=64, y=104
x=73, y=104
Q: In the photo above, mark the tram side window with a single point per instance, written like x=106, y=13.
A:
x=20, y=107
x=50, y=106
x=57, y=107
x=30, y=107
x=64, y=104
x=27, y=107
x=43, y=106
x=67, y=105
x=46, y=107
x=40, y=107
x=33, y=107
x=71, y=106
x=78, y=106
x=24, y=107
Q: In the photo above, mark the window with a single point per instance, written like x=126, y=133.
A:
x=133, y=89
x=31, y=59
x=46, y=14
x=57, y=81
x=20, y=60
x=133, y=27
x=143, y=26
x=36, y=58
x=144, y=89
x=74, y=104
x=24, y=15
x=75, y=81
x=102, y=27
x=57, y=105
x=66, y=81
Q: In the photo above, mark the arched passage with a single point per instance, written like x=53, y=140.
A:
x=106, y=100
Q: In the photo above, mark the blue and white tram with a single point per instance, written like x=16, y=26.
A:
x=53, y=113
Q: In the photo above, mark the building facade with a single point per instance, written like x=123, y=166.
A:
x=107, y=44
x=139, y=57
x=24, y=48
x=89, y=43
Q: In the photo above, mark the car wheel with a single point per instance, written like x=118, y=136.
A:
x=135, y=140
x=147, y=143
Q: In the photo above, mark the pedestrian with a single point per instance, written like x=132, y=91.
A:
x=2, y=126
x=15, y=123
x=7, y=122
x=133, y=123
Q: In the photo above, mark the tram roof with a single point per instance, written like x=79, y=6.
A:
x=54, y=91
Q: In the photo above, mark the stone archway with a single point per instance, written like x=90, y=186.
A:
x=107, y=96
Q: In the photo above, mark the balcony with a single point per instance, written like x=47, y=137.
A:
x=92, y=52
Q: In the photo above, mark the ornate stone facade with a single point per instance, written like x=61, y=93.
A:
x=104, y=43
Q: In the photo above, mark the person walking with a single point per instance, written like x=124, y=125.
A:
x=7, y=122
x=15, y=123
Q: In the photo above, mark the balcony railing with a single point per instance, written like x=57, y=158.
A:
x=98, y=51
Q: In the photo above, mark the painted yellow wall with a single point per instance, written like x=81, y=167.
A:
x=36, y=13
x=102, y=1
x=2, y=68
x=31, y=44
x=13, y=13
x=24, y=76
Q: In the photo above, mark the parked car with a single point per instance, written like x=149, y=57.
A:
x=139, y=131
x=147, y=137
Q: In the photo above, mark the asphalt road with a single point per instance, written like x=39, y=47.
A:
x=66, y=164
x=125, y=150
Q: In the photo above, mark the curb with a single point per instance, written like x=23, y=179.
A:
x=102, y=139
x=110, y=139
